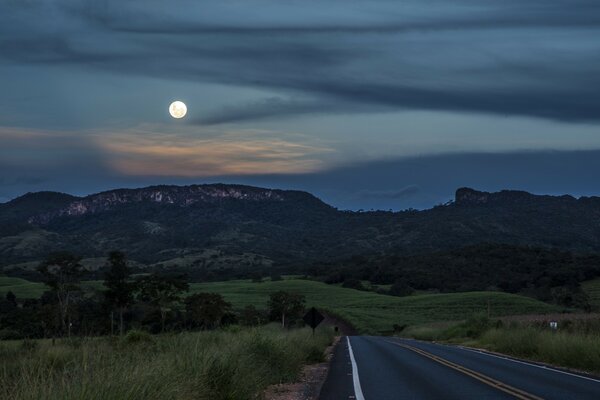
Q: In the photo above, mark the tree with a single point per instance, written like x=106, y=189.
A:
x=11, y=298
x=250, y=316
x=206, y=310
x=353, y=284
x=400, y=288
x=162, y=292
x=286, y=306
x=119, y=293
x=61, y=273
x=275, y=276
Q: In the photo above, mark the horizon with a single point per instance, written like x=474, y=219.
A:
x=159, y=185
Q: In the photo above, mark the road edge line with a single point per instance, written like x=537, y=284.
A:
x=528, y=363
x=358, y=394
x=492, y=382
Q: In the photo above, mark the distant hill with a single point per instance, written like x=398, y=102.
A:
x=221, y=226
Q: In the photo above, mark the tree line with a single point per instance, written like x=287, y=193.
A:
x=549, y=275
x=154, y=302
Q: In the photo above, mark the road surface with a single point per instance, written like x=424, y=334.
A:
x=382, y=368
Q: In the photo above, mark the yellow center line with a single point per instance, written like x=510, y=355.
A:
x=513, y=391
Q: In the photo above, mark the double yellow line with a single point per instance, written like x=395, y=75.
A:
x=513, y=391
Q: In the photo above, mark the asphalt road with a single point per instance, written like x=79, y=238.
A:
x=382, y=368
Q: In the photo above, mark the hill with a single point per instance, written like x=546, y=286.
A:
x=213, y=227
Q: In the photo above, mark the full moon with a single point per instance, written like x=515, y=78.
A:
x=178, y=109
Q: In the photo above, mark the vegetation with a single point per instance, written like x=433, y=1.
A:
x=61, y=272
x=575, y=343
x=592, y=290
x=548, y=275
x=119, y=288
x=147, y=299
x=566, y=349
x=207, y=310
x=286, y=306
x=370, y=312
x=163, y=293
x=252, y=228
x=201, y=365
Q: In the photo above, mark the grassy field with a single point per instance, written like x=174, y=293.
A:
x=369, y=312
x=21, y=288
x=24, y=289
x=215, y=365
x=373, y=313
x=592, y=289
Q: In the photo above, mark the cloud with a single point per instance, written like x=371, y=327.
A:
x=151, y=153
x=87, y=162
x=537, y=58
x=269, y=108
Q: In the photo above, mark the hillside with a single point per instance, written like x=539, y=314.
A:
x=374, y=313
x=233, y=226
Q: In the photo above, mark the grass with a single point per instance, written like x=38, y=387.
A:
x=368, y=312
x=193, y=365
x=21, y=287
x=25, y=289
x=567, y=349
x=592, y=289
x=374, y=313
x=576, y=343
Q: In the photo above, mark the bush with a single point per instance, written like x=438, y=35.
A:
x=9, y=334
x=473, y=328
x=400, y=288
x=137, y=336
x=353, y=284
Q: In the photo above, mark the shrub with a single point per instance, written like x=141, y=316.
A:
x=9, y=334
x=138, y=336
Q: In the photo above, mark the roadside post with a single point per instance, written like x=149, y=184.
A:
x=313, y=318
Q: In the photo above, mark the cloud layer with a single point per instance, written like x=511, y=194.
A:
x=534, y=58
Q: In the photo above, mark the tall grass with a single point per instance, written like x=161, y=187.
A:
x=567, y=349
x=202, y=365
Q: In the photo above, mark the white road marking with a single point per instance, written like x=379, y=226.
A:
x=531, y=365
x=357, y=389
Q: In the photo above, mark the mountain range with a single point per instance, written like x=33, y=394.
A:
x=233, y=225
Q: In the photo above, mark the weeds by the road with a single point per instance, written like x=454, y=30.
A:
x=572, y=350
x=201, y=365
x=576, y=344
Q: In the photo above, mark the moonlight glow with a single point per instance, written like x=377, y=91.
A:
x=178, y=109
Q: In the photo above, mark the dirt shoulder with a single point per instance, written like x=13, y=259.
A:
x=309, y=385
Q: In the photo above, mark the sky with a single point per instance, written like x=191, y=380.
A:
x=372, y=104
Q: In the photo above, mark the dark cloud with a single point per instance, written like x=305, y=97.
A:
x=273, y=107
x=430, y=56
